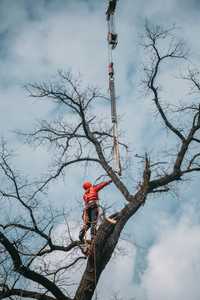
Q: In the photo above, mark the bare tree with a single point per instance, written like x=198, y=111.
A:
x=80, y=136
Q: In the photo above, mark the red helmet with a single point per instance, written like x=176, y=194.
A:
x=87, y=185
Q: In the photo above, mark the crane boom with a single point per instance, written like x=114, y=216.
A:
x=112, y=39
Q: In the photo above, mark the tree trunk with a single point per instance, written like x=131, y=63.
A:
x=105, y=243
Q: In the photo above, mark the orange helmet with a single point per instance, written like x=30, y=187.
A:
x=87, y=185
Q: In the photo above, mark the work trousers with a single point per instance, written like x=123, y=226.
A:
x=90, y=218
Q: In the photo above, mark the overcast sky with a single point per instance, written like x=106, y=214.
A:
x=39, y=37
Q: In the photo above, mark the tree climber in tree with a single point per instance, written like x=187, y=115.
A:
x=91, y=210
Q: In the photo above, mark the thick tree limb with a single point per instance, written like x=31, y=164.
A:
x=26, y=272
x=153, y=35
x=5, y=292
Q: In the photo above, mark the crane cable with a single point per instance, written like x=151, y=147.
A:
x=112, y=43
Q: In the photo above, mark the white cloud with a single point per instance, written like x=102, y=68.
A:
x=173, y=263
x=118, y=275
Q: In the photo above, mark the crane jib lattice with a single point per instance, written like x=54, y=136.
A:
x=112, y=39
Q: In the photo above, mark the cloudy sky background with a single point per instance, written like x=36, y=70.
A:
x=38, y=38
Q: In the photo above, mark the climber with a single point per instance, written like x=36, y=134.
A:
x=91, y=211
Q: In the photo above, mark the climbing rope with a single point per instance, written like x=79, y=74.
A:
x=95, y=270
x=112, y=43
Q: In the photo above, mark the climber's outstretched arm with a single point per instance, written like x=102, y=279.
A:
x=101, y=185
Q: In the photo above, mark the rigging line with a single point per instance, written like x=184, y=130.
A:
x=95, y=269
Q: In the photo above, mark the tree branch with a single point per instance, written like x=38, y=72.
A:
x=6, y=292
x=26, y=272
